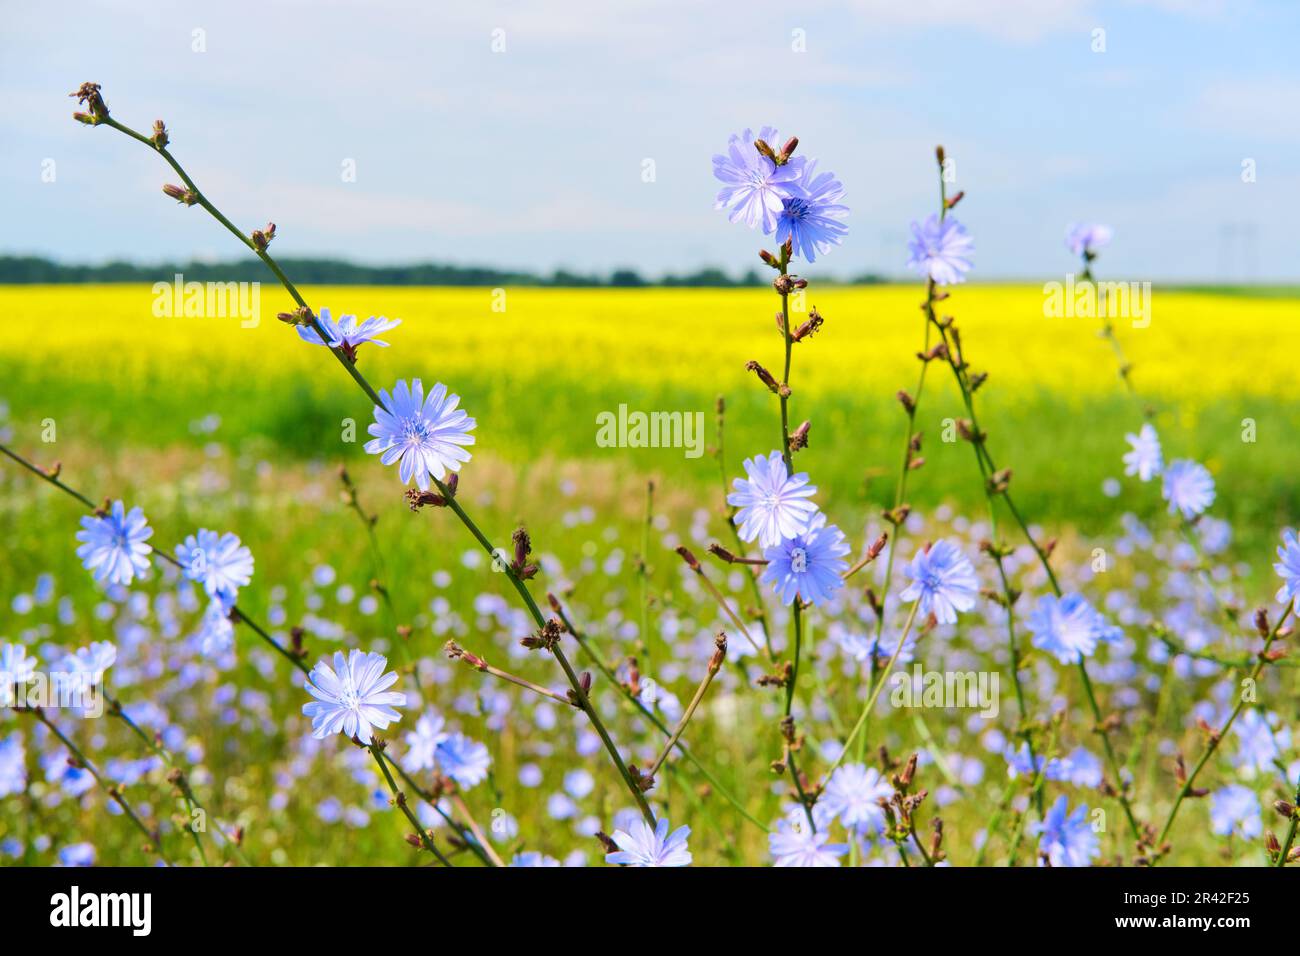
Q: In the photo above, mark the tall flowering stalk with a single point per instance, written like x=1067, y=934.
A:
x=1086, y=240
x=90, y=95
x=940, y=249
x=781, y=193
x=1215, y=736
x=1189, y=490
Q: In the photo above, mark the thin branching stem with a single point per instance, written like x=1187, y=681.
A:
x=1216, y=738
x=109, y=788
x=399, y=801
x=370, y=392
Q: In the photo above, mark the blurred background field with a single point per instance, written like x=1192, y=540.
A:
x=537, y=374
x=205, y=423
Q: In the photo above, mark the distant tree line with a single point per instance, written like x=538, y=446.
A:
x=33, y=270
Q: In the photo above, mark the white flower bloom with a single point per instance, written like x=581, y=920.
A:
x=643, y=846
x=424, y=435
x=113, y=547
x=352, y=697
x=217, y=561
x=1188, y=487
x=773, y=506
x=1145, y=460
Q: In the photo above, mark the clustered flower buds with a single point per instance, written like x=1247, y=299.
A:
x=299, y=316
x=544, y=638
x=1261, y=621
x=799, y=437
x=584, y=681
x=785, y=284
x=691, y=560
x=806, y=330
x=458, y=653
x=159, y=137
x=719, y=653
x=520, y=566
x=764, y=376
x=88, y=95
x=182, y=195
x=417, y=499
x=262, y=237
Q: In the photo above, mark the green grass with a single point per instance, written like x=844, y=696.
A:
x=123, y=415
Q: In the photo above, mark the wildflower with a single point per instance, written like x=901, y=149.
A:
x=853, y=645
x=77, y=854
x=74, y=781
x=884, y=647
x=773, y=505
x=84, y=668
x=1068, y=627
x=1259, y=745
x=465, y=761
x=943, y=580
x=16, y=670
x=1235, y=810
x=1288, y=567
x=346, y=334
x=114, y=545
x=352, y=697
x=642, y=846
x=424, y=434
x=851, y=795
x=940, y=250
x=754, y=188
x=1085, y=238
x=1145, y=460
x=1082, y=768
x=1018, y=763
x=810, y=565
x=1066, y=839
x=1188, y=487
x=810, y=219
x=216, y=631
x=422, y=744
x=217, y=561
x=533, y=858
x=794, y=843
x=13, y=765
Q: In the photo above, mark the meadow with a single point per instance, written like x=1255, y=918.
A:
x=205, y=423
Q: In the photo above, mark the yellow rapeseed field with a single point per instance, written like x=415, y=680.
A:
x=1197, y=347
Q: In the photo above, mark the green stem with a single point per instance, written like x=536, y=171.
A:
x=1290, y=832
x=871, y=701
x=686, y=717
x=1216, y=738
x=365, y=386
x=110, y=789
x=183, y=787
x=584, y=644
x=399, y=801
x=1110, y=751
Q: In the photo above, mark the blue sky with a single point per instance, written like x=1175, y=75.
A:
x=533, y=157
